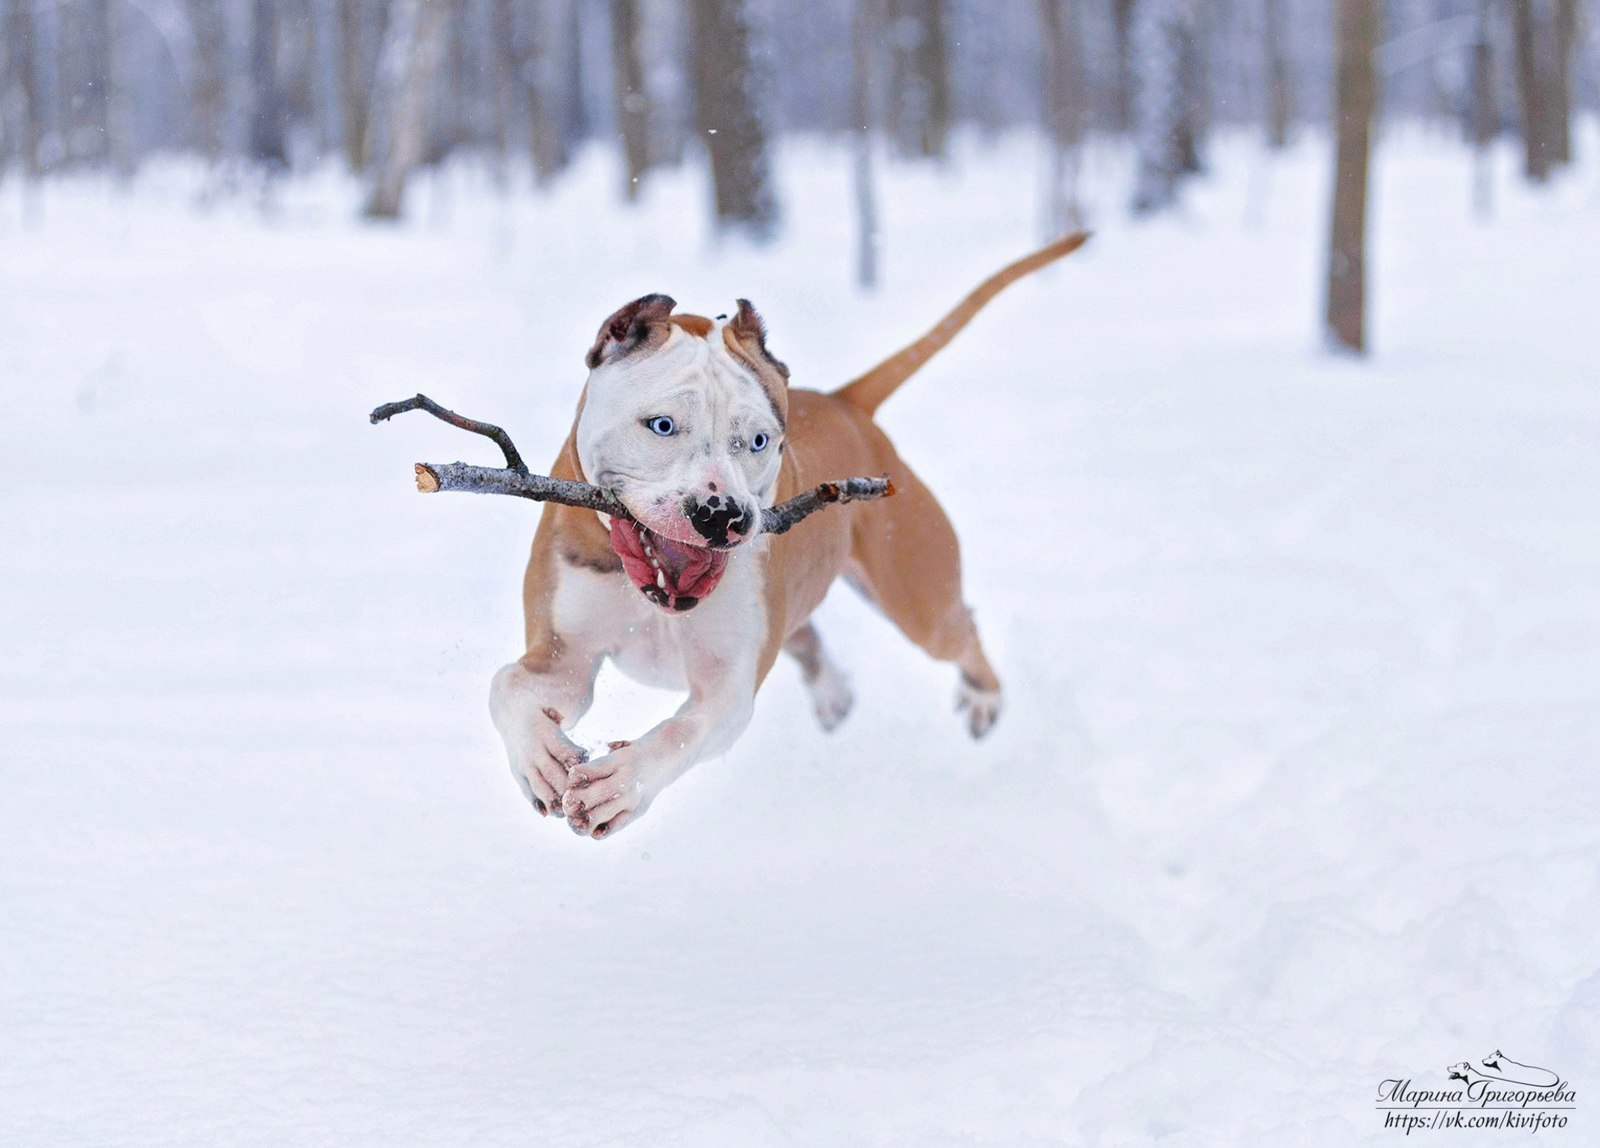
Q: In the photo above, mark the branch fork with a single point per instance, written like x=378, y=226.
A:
x=515, y=479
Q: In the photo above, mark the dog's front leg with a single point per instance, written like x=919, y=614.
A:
x=605, y=794
x=532, y=701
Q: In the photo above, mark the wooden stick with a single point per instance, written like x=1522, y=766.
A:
x=515, y=479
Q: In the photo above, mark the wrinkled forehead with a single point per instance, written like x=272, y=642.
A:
x=698, y=360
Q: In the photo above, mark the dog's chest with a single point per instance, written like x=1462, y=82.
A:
x=606, y=614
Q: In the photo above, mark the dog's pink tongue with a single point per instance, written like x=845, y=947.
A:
x=685, y=565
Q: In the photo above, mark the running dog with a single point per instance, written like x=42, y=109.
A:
x=692, y=423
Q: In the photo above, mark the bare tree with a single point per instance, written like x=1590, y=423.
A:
x=1066, y=109
x=864, y=36
x=1168, y=101
x=919, y=77
x=208, y=89
x=1123, y=85
x=504, y=69
x=1355, y=106
x=632, y=96
x=730, y=117
x=1484, y=120
x=268, y=143
x=542, y=72
x=1280, y=91
x=1564, y=42
x=1545, y=35
x=354, y=77
x=412, y=48
x=20, y=118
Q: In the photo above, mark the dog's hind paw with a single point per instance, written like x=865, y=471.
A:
x=981, y=706
x=831, y=697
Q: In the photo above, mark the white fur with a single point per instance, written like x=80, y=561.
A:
x=718, y=406
x=711, y=651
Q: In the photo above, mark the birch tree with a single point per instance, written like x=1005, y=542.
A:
x=407, y=67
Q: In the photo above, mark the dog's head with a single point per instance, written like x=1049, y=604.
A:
x=1462, y=1071
x=684, y=418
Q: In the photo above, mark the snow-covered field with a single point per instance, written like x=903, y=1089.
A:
x=1297, y=789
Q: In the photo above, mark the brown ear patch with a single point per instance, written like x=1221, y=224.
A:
x=640, y=324
x=697, y=325
x=749, y=327
x=746, y=338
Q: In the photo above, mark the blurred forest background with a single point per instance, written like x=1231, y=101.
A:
x=261, y=89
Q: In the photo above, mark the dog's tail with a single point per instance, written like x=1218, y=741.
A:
x=869, y=391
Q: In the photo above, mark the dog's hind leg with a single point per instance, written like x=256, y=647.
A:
x=905, y=558
x=830, y=689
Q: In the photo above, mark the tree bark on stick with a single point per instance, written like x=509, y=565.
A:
x=1355, y=106
x=411, y=53
x=515, y=479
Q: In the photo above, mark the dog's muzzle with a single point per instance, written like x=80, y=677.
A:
x=674, y=575
x=720, y=521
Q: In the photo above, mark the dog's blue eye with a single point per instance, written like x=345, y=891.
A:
x=661, y=424
x=759, y=442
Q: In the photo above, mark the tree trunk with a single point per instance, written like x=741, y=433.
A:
x=730, y=117
x=1122, y=91
x=864, y=38
x=919, y=77
x=1484, y=122
x=268, y=145
x=1066, y=109
x=208, y=95
x=632, y=97
x=407, y=68
x=1168, y=102
x=504, y=69
x=1534, y=88
x=1355, y=105
x=354, y=106
x=547, y=138
x=1563, y=41
x=1280, y=91
x=19, y=94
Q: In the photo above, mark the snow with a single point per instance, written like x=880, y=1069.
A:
x=1295, y=790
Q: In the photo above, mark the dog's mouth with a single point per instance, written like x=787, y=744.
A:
x=674, y=575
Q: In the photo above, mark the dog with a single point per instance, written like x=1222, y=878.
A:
x=692, y=423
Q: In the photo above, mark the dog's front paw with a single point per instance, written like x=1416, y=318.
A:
x=605, y=794
x=542, y=762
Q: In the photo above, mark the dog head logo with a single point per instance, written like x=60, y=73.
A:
x=684, y=418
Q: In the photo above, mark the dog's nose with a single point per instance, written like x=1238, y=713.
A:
x=720, y=521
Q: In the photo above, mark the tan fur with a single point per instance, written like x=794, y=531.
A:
x=869, y=391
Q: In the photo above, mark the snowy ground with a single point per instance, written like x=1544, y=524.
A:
x=1297, y=789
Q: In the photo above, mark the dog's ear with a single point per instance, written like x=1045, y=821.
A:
x=639, y=323
x=749, y=329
